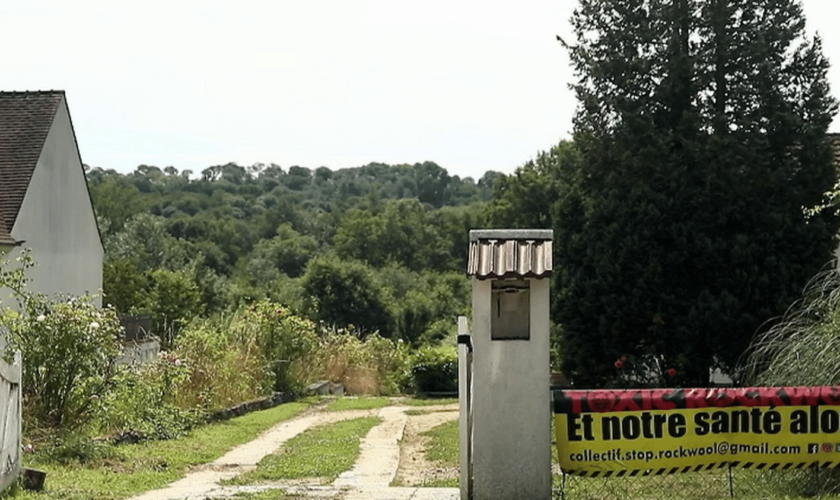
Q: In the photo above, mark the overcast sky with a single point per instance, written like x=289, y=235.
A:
x=471, y=85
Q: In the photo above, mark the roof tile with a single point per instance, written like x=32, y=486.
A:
x=25, y=121
x=506, y=253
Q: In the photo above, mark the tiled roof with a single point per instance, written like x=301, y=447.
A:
x=25, y=121
x=5, y=234
x=510, y=253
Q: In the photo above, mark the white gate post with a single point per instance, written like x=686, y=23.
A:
x=510, y=403
x=464, y=399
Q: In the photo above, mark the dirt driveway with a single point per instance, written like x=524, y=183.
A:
x=392, y=452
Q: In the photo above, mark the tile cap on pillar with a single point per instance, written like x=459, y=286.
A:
x=511, y=234
x=510, y=253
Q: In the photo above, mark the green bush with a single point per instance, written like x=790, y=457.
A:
x=173, y=299
x=435, y=369
x=346, y=294
x=69, y=347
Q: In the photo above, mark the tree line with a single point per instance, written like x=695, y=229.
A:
x=377, y=248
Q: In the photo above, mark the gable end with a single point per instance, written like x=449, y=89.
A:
x=25, y=121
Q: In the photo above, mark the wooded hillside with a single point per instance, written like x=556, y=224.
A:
x=379, y=247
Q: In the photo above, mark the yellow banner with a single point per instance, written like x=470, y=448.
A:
x=675, y=431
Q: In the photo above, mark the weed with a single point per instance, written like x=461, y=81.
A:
x=76, y=448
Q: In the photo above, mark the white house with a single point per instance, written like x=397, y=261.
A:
x=45, y=204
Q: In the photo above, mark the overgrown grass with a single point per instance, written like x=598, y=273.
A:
x=374, y=366
x=153, y=464
x=323, y=452
x=357, y=403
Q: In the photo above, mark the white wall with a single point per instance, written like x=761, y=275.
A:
x=56, y=219
x=511, y=403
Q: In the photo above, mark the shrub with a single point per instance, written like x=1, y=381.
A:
x=173, y=299
x=346, y=294
x=69, y=347
x=285, y=340
x=435, y=369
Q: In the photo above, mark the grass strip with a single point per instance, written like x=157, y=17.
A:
x=442, y=449
x=323, y=452
x=357, y=403
x=136, y=468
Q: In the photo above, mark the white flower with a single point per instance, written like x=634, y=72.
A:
x=40, y=318
x=94, y=326
x=177, y=362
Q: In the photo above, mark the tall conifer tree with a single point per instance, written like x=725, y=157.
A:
x=701, y=126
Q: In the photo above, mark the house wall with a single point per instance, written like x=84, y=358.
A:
x=56, y=219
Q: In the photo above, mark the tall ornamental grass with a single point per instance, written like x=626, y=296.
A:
x=803, y=348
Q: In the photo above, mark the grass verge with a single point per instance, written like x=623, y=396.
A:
x=132, y=469
x=323, y=452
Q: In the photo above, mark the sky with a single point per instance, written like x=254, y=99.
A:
x=471, y=85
